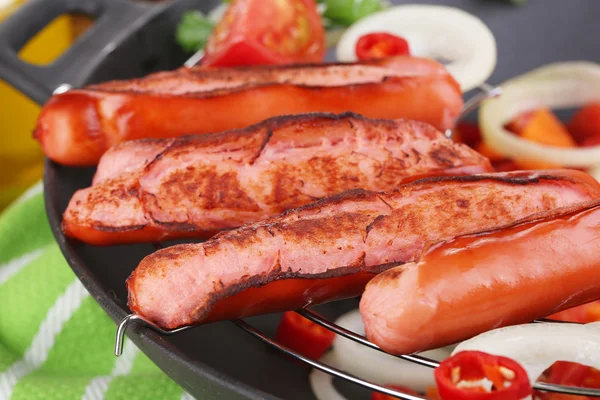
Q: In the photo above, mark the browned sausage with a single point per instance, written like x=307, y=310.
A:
x=154, y=189
x=77, y=127
x=330, y=249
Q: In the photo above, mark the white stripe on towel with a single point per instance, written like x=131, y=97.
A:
x=43, y=341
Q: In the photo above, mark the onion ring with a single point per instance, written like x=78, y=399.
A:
x=434, y=31
x=558, y=85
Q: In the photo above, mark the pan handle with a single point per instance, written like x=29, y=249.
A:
x=115, y=21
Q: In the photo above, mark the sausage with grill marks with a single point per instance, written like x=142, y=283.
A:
x=193, y=186
x=330, y=249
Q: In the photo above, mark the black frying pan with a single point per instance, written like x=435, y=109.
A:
x=134, y=39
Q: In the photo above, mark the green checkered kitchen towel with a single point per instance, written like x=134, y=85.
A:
x=55, y=341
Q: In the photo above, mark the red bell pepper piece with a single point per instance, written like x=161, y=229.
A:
x=461, y=377
x=380, y=45
x=303, y=336
x=585, y=125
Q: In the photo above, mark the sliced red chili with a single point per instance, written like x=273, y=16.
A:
x=381, y=45
x=466, y=374
x=303, y=336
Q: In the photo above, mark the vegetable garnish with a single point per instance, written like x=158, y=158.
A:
x=193, y=30
x=537, y=346
x=347, y=12
x=303, y=336
x=585, y=125
x=379, y=367
x=545, y=128
x=448, y=34
x=583, y=314
x=476, y=375
x=556, y=86
x=569, y=374
x=381, y=45
x=254, y=32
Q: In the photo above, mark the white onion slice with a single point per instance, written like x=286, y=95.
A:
x=559, y=85
x=321, y=383
x=537, y=346
x=379, y=367
x=433, y=31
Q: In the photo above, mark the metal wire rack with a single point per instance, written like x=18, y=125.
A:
x=485, y=91
x=427, y=362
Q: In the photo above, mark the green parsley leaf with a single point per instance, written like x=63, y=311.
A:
x=193, y=31
x=347, y=12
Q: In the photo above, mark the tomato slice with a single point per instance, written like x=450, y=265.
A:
x=303, y=336
x=381, y=45
x=583, y=314
x=460, y=377
x=402, y=389
x=585, y=125
x=254, y=32
x=569, y=374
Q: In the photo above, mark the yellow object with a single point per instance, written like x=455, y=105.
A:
x=20, y=156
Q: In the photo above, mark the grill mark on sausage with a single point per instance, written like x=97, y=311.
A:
x=183, y=192
x=333, y=227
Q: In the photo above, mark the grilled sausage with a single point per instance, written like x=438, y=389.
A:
x=155, y=189
x=75, y=128
x=330, y=249
x=475, y=283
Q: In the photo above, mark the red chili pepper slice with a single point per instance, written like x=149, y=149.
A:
x=303, y=336
x=380, y=45
x=460, y=376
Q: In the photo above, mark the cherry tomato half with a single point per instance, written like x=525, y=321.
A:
x=303, y=336
x=255, y=32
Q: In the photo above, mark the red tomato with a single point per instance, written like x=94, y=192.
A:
x=569, y=374
x=303, y=336
x=254, y=32
x=585, y=124
x=583, y=314
x=381, y=396
x=380, y=45
x=590, y=141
